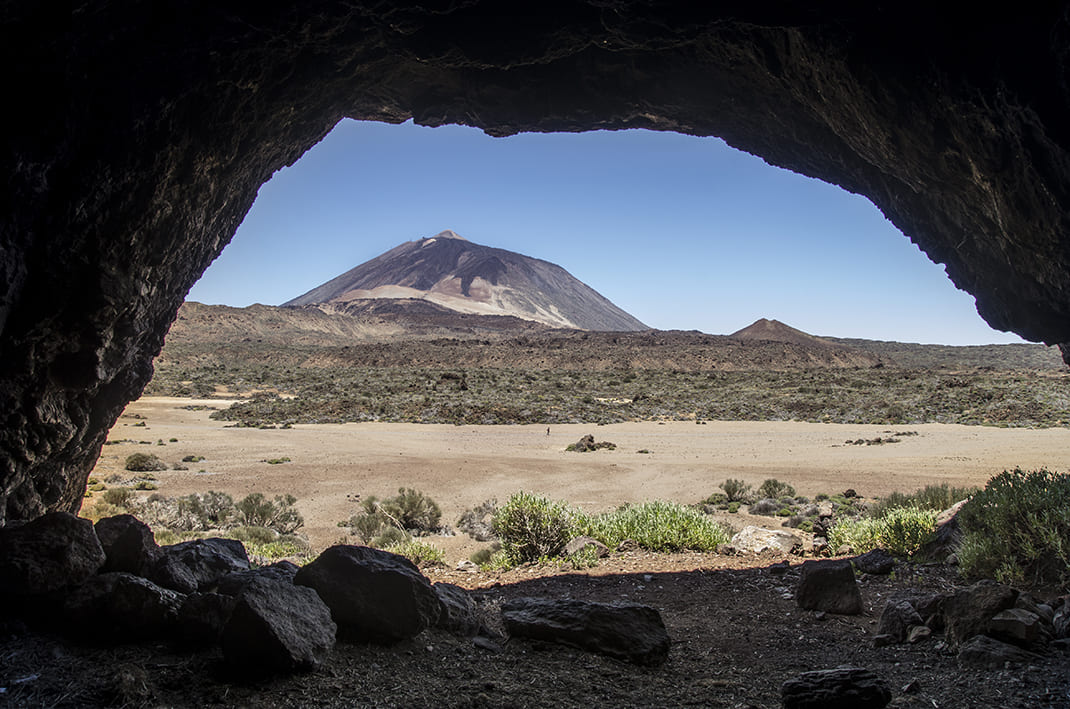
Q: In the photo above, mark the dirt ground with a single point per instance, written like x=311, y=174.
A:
x=737, y=633
x=461, y=466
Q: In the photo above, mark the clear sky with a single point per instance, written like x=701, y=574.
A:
x=681, y=232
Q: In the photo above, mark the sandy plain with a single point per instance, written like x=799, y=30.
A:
x=331, y=465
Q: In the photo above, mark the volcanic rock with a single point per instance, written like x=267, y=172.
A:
x=54, y=551
x=120, y=607
x=828, y=585
x=841, y=688
x=628, y=631
x=128, y=544
x=373, y=594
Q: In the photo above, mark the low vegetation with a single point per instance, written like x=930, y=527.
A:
x=901, y=531
x=1018, y=529
x=887, y=396
x=144, y=463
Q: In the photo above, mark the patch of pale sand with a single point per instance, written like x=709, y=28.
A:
x=461, y=466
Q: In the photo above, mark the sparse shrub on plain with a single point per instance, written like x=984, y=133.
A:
x=145, y=485
x=121, y=497
x=532, y=526
x=253, y=535
x=413, y=511
x=765, y=507
x=390, y=536
x=657, y=526
x=418, y=551
x=482, y=557
x=931, y=497
x=736, y=490
x=1018, y=529
x=901, y=532
x=143, y=462
x=255, y=510
x=775, y=489
x=733, y=507
x=192, y=458
x=476, y=522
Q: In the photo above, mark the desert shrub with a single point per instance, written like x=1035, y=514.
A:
x=390, y=536
x=775, y=489
x=766, y=507
x=717, y=498
x=901, y=532
x=476, y=522
x=1018, y=529
x=532, y=526
x=418, y=552
x=367, y=524
x=255, y=510
x=861, y=535
x=192, y=458
x=121, y=497
x=413, y=511
x=145, y=485
x=733, y=507
x=820, y=497
x=143, y=462
x=736, y=490
x=285, y=546
x=253, y=535
x=657, y=526
x=931, y=497
x=784, y=512
x=277, y=461
x=482, y=557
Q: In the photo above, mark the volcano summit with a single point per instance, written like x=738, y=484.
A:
x=455, y=273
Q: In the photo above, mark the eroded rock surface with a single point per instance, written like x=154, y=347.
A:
x=151, y=132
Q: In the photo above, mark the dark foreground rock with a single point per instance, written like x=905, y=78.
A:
x=628, y=631
x=969, y=611
x=841, y=688
x=373, y=595
x=277, y=627
x=981, y=651
x=119, y=607
x=128, y=544
x=198, y=565
x=878, y=562
x=54, y=551
x=459, y=614
x=829, y=586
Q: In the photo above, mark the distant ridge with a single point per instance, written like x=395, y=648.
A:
x=466, y=277
x=776, y=331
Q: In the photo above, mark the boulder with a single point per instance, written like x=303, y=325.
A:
x=981, y=651
x=233, y=583
x=373, y=594
x=756, y=540
x=946, y=537
x=122, y=607
x=459, y=614
x=1061, y=621
x=1020, y=627
x=54, y=551
x=897, y=619
x=578, y=544
x=587, y=444
x=202, y=617
x=198, y=565
x=841, y=688
x=628, y=631
x=877, y=562
x=277, y=627
x=967, y=612
x=128, y=544
x=828, y=585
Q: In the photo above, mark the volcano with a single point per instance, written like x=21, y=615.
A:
x=452, y=272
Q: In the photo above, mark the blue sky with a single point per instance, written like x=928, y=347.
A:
x=681, y=232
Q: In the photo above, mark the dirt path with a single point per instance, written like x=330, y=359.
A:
x=460, y=466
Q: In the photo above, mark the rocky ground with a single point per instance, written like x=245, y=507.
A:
x=737, y=635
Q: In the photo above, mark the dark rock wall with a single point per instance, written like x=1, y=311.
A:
x=138, y=132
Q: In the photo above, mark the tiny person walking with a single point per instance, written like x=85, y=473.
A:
x=547, y=430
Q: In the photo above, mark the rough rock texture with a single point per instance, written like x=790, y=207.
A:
x=154, y=124
x=755, y=540
x=876, y=561
x=47, y=554
x=628, y=631
x=128, y=544
x=277, y=627
x=897, y=619
x=841, y=688
x=968, y=612
x=828, y=586
x=199, y=564
x=985, y=652
x=373, y=594
x=459, y=614
x=120, y=607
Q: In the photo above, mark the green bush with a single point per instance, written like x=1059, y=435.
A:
x=413, y=511
x=1018, y=529
x=255, y=510
x=143, y=462
x=121, y=497
x=736, y=490
x=657, y=526
x=253, y=535
x=902, y=531
x=418, y=552
x=390, y=536
x=775, y=489
x=931, y=497
x=532, y=526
